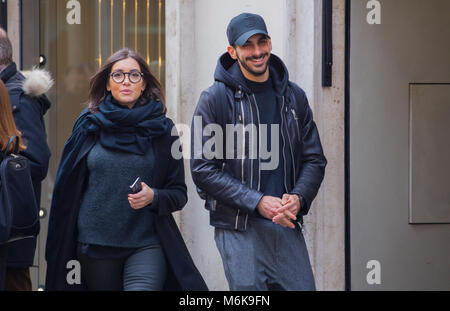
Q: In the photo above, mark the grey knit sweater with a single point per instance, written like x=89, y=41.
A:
x=106, y=218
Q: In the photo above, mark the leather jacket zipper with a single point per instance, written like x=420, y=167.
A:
x=296, y=122
x=259, y=144
x=284, y=145
x=290, y=143
x=250, y=148
x=243, y=149
x=243, y=138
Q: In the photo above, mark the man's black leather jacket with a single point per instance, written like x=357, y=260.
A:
x=231, y=186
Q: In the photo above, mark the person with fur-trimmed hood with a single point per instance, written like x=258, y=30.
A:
x=29, y=104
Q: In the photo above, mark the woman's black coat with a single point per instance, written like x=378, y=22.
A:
x=170, y=196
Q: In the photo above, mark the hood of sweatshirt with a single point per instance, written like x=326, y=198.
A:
x=229, y=72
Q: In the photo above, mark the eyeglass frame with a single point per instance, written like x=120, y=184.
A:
x=125, y=75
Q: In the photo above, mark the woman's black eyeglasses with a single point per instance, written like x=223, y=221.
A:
x=134, y=76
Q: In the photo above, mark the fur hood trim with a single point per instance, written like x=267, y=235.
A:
x=37, y=82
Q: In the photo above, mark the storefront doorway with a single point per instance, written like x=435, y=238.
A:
x=399, y=112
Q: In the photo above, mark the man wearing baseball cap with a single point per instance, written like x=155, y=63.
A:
x=257, y=203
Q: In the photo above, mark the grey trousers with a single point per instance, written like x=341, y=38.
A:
x=265, y=257
x=144, y=270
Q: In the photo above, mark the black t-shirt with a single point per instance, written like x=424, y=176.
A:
x=272, y=181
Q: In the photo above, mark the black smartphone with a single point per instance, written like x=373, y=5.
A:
x=136, y=186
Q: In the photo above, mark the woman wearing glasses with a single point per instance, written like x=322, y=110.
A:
x=118, y=239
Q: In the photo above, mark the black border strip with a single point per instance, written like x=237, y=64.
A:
x=327, y=42
x=4, y=15
x=347, y=147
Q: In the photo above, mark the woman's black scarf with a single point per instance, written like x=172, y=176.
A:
x=129, y=130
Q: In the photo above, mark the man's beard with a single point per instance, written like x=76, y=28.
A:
x=255, y=73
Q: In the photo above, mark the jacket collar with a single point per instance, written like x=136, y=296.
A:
x=8, y=72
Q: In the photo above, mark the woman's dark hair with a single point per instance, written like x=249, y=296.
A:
x=97, y=92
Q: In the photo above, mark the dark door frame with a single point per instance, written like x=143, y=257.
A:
x=4, y=15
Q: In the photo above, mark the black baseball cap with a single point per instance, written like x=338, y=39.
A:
x=244, y=26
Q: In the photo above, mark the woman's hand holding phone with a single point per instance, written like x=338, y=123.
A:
x=142, y=198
